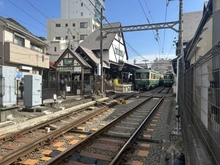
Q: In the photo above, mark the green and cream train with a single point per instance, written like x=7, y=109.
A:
x=146, y=79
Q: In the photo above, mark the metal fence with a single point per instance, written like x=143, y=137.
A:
x=199, y=102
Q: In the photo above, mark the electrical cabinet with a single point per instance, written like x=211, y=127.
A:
x=8, y=84
x=32, y=90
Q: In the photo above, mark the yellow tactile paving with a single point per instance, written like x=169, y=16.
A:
x=147, y=136
x=69, y=137
x=58, y=144
x=45, y=158
x=74, y=142
x=82, y=136
x=80, y=128
x=94, y=129
x=145, y=145
x=137, y=163
x=143, y=153
x=153, y=125
x=61, y=149
x=46, y=152
x=30, y=162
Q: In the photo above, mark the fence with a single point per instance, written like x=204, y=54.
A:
x=199, y=101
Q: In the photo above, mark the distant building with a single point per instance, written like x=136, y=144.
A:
x=78, y=20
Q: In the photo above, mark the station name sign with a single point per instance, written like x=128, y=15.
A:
x=65, y=68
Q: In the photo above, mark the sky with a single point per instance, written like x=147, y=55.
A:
x=141, y=45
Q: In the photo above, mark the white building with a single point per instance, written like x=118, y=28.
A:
x=79, y=18
x=72, y=9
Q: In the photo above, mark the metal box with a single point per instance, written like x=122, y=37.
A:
x=32, y=90
x=8, y=84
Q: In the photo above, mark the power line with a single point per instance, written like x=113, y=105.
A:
x=155, y=35
x=30, y=15
x=164, y=34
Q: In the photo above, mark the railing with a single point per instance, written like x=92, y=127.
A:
x=199, y=101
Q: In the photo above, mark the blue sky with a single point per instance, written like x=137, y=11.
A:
x=128, y=12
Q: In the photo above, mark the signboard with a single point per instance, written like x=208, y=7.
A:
x=87, y=70
x=19, y=75
x=68, y=61
x=65, y=68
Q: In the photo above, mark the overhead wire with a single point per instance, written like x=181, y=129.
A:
x=68, y=29
x=164, y=34
x=155, y=35
x=114, y=28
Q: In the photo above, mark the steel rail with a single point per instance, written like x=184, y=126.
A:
x=47, y=138
x=59, y=158
x=119, y=156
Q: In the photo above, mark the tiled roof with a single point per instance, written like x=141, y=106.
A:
x=191, y=22
x=92, y=42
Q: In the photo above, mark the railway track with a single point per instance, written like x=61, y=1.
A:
x=109, y=145
x=16, y=145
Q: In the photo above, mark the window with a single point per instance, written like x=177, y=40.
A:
x=55, y=49
x=74, y=25
x=74, y=37
x=19, y=40
x=66, y=25
x=81, y=13
x=66, y=37
x=43, y=58
x=119, y=52
x=81, y=4
x=83, y=24
x=83, y=36
x=57, y=38
x=58, y=25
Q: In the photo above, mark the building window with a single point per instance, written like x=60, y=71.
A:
x=83, y=36
x=81, y=4
x=58, y=25
x=74, y=37
x=57, y=38
x=74, y=25
x=66, y=25
x=66, y=37
x=43, y=58
x=83, y=24
x=81, y=13
x=19, y=40
x=55, y=49
x=119, y=52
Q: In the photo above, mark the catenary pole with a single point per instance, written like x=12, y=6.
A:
x=101, y=51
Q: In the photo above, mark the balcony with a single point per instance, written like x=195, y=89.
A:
x=20, y=55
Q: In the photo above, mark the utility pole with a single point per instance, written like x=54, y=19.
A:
x=101, y=51
x=216, y=23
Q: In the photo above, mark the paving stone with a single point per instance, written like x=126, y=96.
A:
x=74, y=157
x=87, y=160
x=54, y=153
x=74, y=142
x=58, y=144
x=45, y=158
x=47, y=152
x=30, y=162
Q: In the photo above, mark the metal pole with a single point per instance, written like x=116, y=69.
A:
x=101, y=51
x=216, y=23
x=180, y=46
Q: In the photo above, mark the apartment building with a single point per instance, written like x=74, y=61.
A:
x=21, y=49
x=79, y=18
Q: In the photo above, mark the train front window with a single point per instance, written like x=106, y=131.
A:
x=138, y=75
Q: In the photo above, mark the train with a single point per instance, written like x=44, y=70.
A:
x=146, y=79
x=168, y=79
